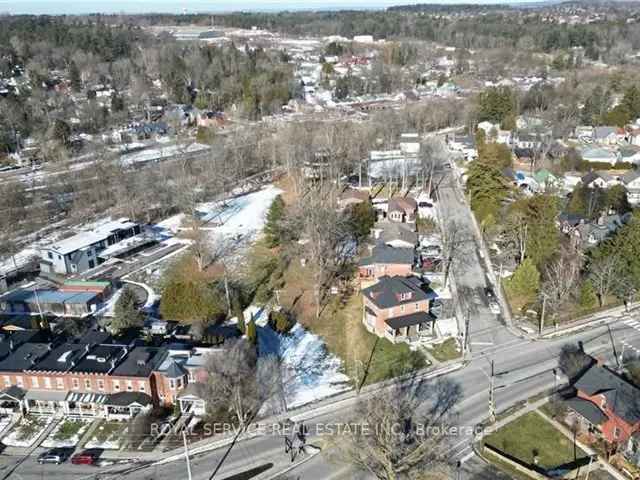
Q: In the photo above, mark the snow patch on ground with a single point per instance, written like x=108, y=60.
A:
x=155, y=154
x=13, y=440
x=309, y=371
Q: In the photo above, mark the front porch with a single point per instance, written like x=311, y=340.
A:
x=85, y=405
x=126, y=405
x=40, y=402
x=192, y=399
x=12, y=400
x=411, y=328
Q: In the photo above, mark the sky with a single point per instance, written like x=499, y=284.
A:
x=57, y=7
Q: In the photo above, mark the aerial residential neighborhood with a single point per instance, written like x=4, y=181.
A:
x=323, y=241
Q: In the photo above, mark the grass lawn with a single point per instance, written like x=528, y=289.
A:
x=447, y=350
x=340, y=325
x=531, y=434
x=68, y=429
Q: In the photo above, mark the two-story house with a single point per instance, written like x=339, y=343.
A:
x=81, y=252
x=397, y=308
x=386, y=261
x=607, y=405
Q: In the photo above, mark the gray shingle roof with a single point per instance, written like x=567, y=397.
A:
x=140, y=362
x=124, y=399
x=383, y=254
x=24, y=357
x=622, y=397
x=386, y=293
x=587, y=409
x=397, y=231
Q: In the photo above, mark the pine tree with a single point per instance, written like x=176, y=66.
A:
x=126, y=313
x=273, y=230
x=74, y=77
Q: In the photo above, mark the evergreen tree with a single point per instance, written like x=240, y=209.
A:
x=362, y=218
x=273, y=229
x=523, y=285
x=126, y=313
x=588, y=297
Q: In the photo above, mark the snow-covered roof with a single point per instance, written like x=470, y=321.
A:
x=87, y=238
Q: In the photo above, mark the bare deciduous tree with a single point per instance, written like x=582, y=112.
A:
x=604, y=273
x=399, y=432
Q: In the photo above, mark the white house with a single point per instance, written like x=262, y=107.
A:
x=631, y=181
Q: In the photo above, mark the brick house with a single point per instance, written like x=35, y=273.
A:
x=397, y=308
x=402, y=209
x=386, y=261
x=607, y=405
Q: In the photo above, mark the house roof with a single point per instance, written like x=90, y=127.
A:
x=352, y=193
x=573, y=219
x=396, y=231
x=387, y=292
x=24, y=357
x=12, y=393
x=523, y=152
x=623, y=398
x=87, y=238
x=140, y=362
x=593, y=175
x=48, y=296
x=196, y=389
x=173, y=370
x=598, y=154
x=586, y=409
x=61, y=358
x=630, y=176
x=409, y=320
x=544, y=175
x=101, y=359
x=46, y=395
x=383, y=254
x=95, y=398
x=126, y=399
x=402, y=204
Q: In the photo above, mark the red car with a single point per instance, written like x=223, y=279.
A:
x=84, y=458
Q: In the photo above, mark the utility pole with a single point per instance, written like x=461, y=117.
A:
x=492, y=401
x=544, y=305
x=621, y=358
x=186, y=453
x=467, y=321
x=589, y=467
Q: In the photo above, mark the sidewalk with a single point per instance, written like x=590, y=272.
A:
x=600, y=318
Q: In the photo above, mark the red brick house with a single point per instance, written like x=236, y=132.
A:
x=397, y=308
x=386, y=261
x=607, y=404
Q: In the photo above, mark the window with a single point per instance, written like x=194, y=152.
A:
x=59, y=383
x=47, y=382
x=141, y=386
x=172, y=384
x=87, y=383
x=192, y=377
x=19, y=382
x=129, y=386
x=50, y=255
x=34, y=382
x=417, y=307
x=92, y=264
x=116, y=385
x=100, y=384
x=616, y=432
x=7, y=380
x=402, y=308
x=75, y=383
x=59, y=257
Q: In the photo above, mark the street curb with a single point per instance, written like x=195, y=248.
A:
x=293, y=465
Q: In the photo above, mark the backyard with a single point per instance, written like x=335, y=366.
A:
x=107, y=435
x=67, y=433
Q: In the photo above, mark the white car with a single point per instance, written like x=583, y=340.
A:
x=494, y=307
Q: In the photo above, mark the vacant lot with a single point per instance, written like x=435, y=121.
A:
x=532, y=436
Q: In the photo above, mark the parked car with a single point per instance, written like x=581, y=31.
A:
x=55, y=455
x=87, y=457
x=425, y=205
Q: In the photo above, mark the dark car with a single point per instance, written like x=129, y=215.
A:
x=56, y=455
x=489, y=293
x=88, y=457
x=425, y=205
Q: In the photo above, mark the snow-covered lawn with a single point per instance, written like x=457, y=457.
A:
x=309, y=371
x=108, y=436
x=67, y=433
x=27, y=431
x=155, y=154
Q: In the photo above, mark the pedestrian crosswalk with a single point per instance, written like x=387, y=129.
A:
x=633, y=324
